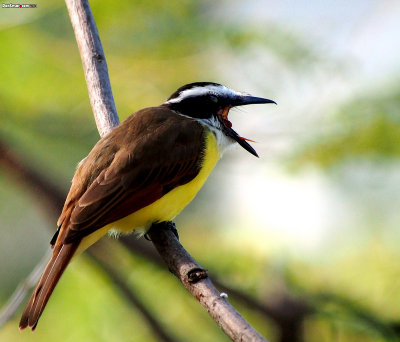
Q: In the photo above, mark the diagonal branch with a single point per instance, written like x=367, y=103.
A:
x=17, y=298
x=197, y=282
x=287, y=312
x=168, y=246
x=94, y=65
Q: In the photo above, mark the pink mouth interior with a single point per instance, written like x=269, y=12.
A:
x=225, y=117
x=227, y=123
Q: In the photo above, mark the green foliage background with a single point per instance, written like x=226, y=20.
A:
x=153, y=47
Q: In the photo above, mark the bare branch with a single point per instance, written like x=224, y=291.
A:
x=94, y=65
x=22, y=290
x=288, y=313
x=197, y=282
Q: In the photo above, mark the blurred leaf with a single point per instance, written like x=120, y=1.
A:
x=367, y=128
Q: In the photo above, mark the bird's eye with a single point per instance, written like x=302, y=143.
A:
x=213, y=98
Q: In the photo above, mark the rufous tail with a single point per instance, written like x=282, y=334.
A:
x=51, y=275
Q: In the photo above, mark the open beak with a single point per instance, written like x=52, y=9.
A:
x=241, y=100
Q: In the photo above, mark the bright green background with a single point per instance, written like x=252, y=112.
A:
x=153, y=47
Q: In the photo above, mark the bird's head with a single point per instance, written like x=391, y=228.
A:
x=210, y=103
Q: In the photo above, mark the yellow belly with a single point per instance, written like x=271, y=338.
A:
x=165, y=208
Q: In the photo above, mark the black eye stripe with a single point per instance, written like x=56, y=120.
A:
x=201, y=107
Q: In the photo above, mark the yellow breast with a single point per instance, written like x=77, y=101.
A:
x=168, y=206
x=172, y=203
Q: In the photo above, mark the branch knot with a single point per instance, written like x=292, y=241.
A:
x=196, y=274
x=98, y=57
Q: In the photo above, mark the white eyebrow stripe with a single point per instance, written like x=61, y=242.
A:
x=198, y=91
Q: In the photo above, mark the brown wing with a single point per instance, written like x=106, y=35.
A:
x=149, y=154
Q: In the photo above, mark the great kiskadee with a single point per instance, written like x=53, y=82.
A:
x=144, y=171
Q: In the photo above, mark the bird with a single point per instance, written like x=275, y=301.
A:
x=143, y=172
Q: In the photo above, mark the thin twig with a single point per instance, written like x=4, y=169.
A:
x=94, y=65
x=17, y=298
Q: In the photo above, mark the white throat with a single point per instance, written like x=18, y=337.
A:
x=214, y=125
x=223, y=141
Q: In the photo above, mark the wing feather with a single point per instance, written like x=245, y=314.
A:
x=156, y=151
